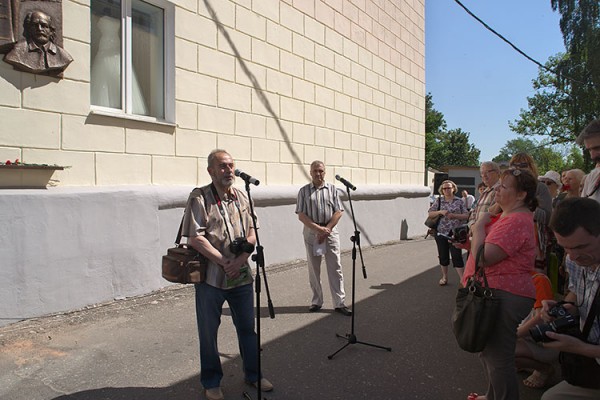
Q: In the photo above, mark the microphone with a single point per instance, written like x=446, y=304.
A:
x=247, y=178
x=345, y=182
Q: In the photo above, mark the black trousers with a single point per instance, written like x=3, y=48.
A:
x=445, y=250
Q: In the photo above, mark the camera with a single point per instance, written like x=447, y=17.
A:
x=564, y=323
x=460, y=234
x=241, y=245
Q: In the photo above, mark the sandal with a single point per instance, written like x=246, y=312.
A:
x=443, y=281
x=537, y=380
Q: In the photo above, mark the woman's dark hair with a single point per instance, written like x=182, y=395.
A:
x=575, y=212
x=526, y=182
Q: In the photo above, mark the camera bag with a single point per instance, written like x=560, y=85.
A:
x=475, y=312
x=183, y=263
x=579, y=370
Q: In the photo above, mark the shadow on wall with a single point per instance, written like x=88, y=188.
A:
x=259, y=91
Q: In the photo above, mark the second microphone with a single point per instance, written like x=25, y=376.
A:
x=247, y=178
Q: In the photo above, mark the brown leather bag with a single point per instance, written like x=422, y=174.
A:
x=183, y=263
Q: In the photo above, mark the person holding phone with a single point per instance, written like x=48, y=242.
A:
x=453, y=214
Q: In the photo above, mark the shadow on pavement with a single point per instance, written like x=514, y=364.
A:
x=412, y=317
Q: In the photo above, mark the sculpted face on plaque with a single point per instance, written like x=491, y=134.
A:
x=37, y=52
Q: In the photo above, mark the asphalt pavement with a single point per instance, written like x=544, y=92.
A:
x=146, y=347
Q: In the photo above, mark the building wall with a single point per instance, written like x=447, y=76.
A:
x=280, y=84
x=68, y=248
x=276, y=83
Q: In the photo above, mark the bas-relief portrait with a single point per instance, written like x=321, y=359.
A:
x=38, y=49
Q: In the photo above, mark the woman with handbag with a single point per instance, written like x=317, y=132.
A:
x=507, y=259
x=452, y=212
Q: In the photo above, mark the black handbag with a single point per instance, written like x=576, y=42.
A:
x=433, y=222
x=183, y=263
x=579, y=370
x=475, y=312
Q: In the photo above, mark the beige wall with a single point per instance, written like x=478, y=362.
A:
x=337, y=80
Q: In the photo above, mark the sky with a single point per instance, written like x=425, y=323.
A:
x=478, y=82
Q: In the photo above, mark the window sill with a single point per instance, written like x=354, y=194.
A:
x=130, y=117
x=27, y=176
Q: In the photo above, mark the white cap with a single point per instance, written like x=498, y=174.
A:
x=552, y=175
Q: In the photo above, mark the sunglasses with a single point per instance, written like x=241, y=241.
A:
x=519, y=165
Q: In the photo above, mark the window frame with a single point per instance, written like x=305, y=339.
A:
x=127, y=67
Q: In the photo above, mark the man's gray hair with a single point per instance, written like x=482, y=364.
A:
x=315, y=163
x=491, y=165
x=212, y=155
x=590, y=131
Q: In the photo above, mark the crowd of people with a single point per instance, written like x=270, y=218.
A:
x=518, y=219
x=521, y=221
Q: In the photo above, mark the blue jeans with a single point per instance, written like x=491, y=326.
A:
x=209, y=307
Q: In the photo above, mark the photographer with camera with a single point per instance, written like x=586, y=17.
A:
x=575, y=223
x=218, y=224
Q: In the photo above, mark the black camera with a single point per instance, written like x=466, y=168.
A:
x=241, y=245
x=564, y=323
x=460, y=234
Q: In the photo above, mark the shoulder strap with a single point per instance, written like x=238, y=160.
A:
x=178, y=238
x=592, y=315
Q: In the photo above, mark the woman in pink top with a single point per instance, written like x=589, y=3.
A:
x=508, y=259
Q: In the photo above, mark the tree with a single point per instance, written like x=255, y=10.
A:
x=444, y=147
x=568, y=88
x=546, y=158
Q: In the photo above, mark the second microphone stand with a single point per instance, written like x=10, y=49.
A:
x=351, y=337
x=259, y=258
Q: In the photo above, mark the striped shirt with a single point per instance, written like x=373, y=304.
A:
x=486, y=200
x=318, y=204
x=584, y=282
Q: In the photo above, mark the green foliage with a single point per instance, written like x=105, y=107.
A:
x=443, y=147
x=568, y=90
x=545, y=156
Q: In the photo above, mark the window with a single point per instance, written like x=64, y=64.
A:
x=131, y=63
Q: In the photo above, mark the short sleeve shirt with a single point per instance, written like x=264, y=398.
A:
x=319, y=204
x=203, y=217
x=486, y=200
x=543, y=288
x=454, y=206
x=591, y=188
x=584, y=282
x=514, y=234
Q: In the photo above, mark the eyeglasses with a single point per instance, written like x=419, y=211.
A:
x=549, y=183
x=447, y=188
x=519, y=165
x=487, y=172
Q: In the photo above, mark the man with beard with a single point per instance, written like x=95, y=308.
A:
x=38, y=53
x=219, y=225
x=590, y=138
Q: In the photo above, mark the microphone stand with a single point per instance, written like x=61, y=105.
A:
x=351, y=337
x=259, y=258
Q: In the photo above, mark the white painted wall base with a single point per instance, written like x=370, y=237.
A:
x=65, y=248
